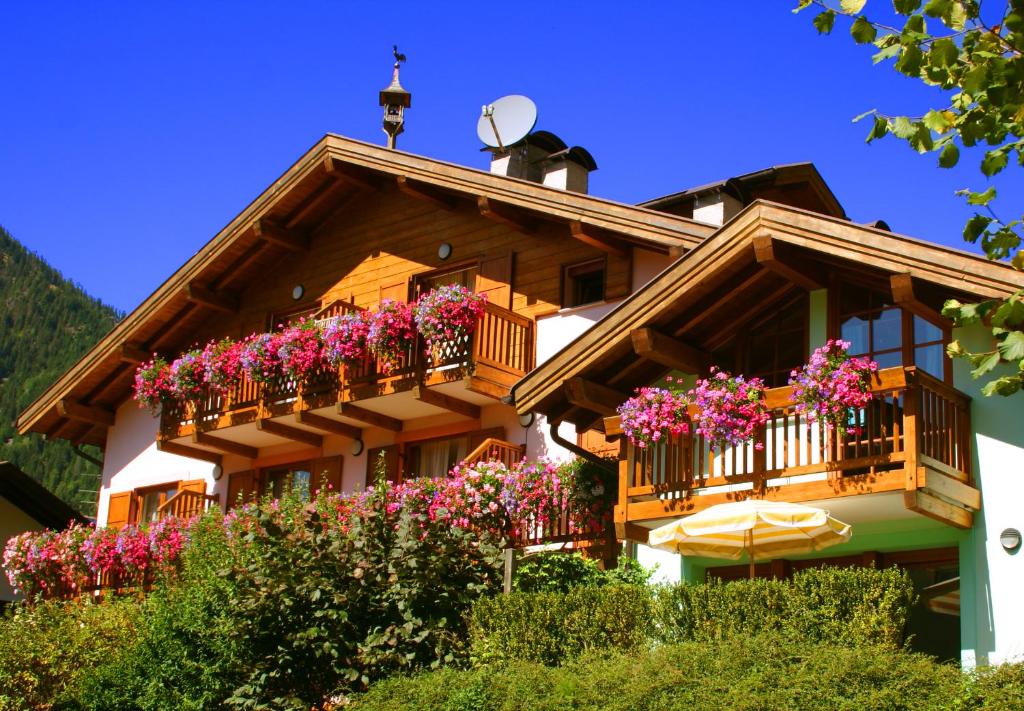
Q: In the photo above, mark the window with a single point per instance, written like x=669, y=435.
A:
x=151, y=499
x=465, y=276
x=287, y=316
x=583, y=283
x=436, y=457
x=771, y=347
x=877, y=328
x=294, y=477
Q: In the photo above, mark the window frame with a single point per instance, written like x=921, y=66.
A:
x=601, y=264
x=139, y=495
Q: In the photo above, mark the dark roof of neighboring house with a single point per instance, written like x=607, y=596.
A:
x=35, y=499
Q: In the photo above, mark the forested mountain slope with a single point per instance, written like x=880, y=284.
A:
x=47, y=323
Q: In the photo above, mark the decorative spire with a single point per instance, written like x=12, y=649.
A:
x=395, y=101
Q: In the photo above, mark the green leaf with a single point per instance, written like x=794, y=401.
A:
x=852, y=7
x=983, y=363
x=902, y=127
x=980, y=198
x=937, y=121
x=909, y=62
x=878, y=129
x=975, y=226
x=937, y=8
x=975, y=80
x=1005, y=386
x=824, y=21
x=862, y=31
x=1018, y=261
x=993, y=162
x=905, y=7
x=944, y=52
x=887, y=52
x=949, y=156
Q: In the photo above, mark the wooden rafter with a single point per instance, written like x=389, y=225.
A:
x=220, y=300
x=352, y=176
x=420, y=191
x=671, y=352
x=505, y=215
x=133, y=353
x=904, y=296
x=326, y=424
x=593, y=396
x=370, y=417
x=224, y=445
x=183, y=450
x=599, y=238
x=742, y=314
x=295, y=434
x=85, y=413
x=292, y=240
x=715, y=307
x=241, y=264
x=770, y=256
x=446, y=402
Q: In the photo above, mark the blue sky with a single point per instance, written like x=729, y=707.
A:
x=132, y=132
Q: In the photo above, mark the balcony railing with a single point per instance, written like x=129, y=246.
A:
x=186, y=504
x=500, y=351
x=914, y=421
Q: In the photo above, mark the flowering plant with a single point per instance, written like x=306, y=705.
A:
x=300, y=350
x=345, y=338
x=730, y=408
x=653, y=413
x=222, y=364
x=448, y=313
x=259, y=358
x=390, y=332
x=187, y=375
x=831, y=384
x=152, y=385
x=46, y=563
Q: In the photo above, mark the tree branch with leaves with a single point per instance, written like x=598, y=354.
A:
x=979, y=65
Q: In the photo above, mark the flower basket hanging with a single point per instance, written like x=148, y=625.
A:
x=345, y=339
x=152, y=384
x=832, y=386
x=654, y=414
x=259, y=358
x=187, y=376
x=300, y=350
x=223, y=364
x=448, y=314
x=390, y=332
x=730, y=409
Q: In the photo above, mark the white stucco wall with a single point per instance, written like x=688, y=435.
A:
x=12, y=522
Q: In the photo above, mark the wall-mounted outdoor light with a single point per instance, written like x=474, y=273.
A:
x=444, y=251
x=298, y=291
x=357, y=447
x=526, y=420
x=1010, y=539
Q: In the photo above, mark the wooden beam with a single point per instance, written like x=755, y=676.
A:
x=133, y=353
x=352, y=176
x=314, y=202
x=326, y=424
x=183, y=450
x=937, y=509
x=422, y=192
x=95, y=432
x=676, y=252
x=704, y=313
x=85, y=413
x=275, y=234
x=625, y=531
x=220, y=300
x=593, y=396
x=446, y=402
x=902, y=286
x=505, y=215
x=385, y=422
x=223, y=445
x=671, y=352
x=948, y=488
x=767, y=254
x=599, y=238
x=293, y=433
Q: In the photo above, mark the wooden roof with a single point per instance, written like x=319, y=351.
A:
x=749, y=266
x=322, y=183
x=35, y=499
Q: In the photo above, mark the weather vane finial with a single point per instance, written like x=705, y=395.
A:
x=395, y=101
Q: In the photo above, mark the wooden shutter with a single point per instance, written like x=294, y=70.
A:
x=495, y=279
x=241, y=484
x=396, y=291
x=392, y=463
x=326, y=471
x=120, y=509
x=196, y=485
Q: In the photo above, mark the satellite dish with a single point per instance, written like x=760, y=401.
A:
x=507, y=121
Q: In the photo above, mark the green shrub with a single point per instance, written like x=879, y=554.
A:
x=998, y=688
x=843, y=605
x=45, y=650
x=764, y=673
x=558, y=572
x=550, y=627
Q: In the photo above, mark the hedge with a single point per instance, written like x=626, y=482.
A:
x=765, y=673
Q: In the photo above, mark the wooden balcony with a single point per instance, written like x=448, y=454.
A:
x=186, y=504
x=457, y=376
x=914, y=438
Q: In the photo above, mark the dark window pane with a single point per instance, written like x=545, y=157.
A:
x=889, y=360
x=855, y=330
x=888, y=330
x=931, y=360
x=925, y=331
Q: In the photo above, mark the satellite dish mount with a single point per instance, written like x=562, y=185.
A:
x=506, y=122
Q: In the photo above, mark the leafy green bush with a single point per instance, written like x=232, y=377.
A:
x=998, y=688
x=45, y=650
x=765, y=673
x=549, y=627
x=842, y=605
x=558, y=572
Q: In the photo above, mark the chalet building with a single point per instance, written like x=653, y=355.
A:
x=933, y=480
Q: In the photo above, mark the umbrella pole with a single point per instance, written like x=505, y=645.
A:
x=750, y=551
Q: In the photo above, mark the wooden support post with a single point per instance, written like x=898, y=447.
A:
x=597, y=237
x=376, y=419
x=593, y=396
x=446, y=402
x=183, y=450
x=224, y=445
x=293, y=433
x=219, y=300
x=671, y=352
x=85, y=413
x=325, y=424
x=510, y=569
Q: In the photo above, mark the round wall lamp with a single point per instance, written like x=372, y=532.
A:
x=357, y=447
x=1010, y=540
x=218, y=472
x=526, y=420
x=298, y=291
x=444, y=251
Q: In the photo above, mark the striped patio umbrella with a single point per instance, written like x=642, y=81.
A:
x=762, y=529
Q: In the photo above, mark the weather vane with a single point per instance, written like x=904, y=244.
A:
x=395, y=101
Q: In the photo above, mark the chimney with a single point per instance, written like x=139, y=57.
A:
x=542, y=157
